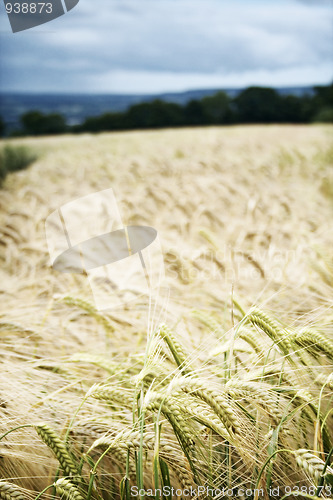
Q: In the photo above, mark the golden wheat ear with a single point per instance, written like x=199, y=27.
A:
x=67, y=491
x=9, y=491
x=312, y=464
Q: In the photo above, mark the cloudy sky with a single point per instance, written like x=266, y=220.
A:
x=141, y=46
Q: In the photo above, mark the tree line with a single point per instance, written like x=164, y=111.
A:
x=252, y=105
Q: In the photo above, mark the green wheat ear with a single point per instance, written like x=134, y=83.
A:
x=206, y=319
x=314, y=342
x=67, y=491
x=271, y=328
x=9, y=491
x=90, y=310
x=175, y=347
x=97, y=360
x=52, y=440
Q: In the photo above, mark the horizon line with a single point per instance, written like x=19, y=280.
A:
x=116, y=93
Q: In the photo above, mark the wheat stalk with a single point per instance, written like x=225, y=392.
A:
x=128, y=440
x=322, y=379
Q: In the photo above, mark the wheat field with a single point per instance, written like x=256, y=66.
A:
x=232, y=391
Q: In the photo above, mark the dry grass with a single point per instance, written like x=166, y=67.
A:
x=242, y=213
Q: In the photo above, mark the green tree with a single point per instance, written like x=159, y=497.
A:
x=2, y=127
x=324, y=95
x=258, y=105
x=294, y=109
x=323, y=104
x=37, y=123
x=217, y=108
x=154, y=114
x=194, y=113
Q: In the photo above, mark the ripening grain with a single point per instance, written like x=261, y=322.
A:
x=238, y=370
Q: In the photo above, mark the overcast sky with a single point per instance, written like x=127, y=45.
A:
x=144, y=46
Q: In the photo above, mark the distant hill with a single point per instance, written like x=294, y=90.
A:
x=76, y=107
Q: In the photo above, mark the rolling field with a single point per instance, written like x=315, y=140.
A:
x=233, y=388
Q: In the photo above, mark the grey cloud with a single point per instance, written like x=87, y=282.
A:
x=316, y=2
x=186, y=38
x=206, y=37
